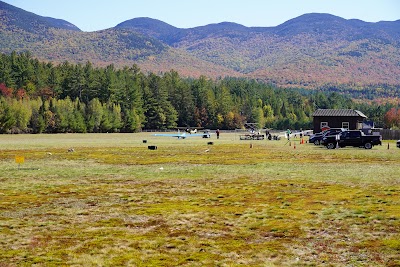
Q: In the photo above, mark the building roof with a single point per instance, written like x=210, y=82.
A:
x=338, y=113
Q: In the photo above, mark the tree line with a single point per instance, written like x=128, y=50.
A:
x=40, y=97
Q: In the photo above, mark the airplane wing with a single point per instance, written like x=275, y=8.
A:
x=178, y=135
x=191, y=135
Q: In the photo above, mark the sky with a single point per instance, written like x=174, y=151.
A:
x=93, y=15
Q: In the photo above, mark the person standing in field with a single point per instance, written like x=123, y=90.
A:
x=288, y=132
x=217, y=132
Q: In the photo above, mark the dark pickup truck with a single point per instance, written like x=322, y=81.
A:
x=354, y=138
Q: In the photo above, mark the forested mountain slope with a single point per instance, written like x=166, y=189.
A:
x=18, y=19
x=310, y=51
x=50, y=40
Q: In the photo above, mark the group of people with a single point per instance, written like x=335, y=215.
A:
x=269, y=136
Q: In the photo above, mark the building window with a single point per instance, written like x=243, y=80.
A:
x=324, y=124
x=346, y=125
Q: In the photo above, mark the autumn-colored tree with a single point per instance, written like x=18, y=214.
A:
x=21, y=94
x=392, y=118
x=200, y=117
x=5, y=91
x=46, y=93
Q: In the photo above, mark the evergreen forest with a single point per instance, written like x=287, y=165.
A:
x=41, y=97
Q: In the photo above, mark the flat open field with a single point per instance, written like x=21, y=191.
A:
x=113, y=202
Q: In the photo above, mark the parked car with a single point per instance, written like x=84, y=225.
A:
x=355, y=138
x=317, y=138
x=398, y=143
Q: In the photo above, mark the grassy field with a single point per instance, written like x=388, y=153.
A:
x=113, y=202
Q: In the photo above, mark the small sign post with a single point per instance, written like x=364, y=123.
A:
x=337, y=140
x=19, y=160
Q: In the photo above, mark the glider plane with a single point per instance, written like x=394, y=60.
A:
x=190, y=130
x=179, y=135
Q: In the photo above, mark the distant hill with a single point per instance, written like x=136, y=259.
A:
x=309, y=51
x=12, y=17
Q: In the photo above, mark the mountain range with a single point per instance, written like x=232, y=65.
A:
x=309, y=51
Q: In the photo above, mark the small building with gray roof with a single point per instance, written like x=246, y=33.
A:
x=338, y=118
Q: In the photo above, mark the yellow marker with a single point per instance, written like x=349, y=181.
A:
x=19, y=159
